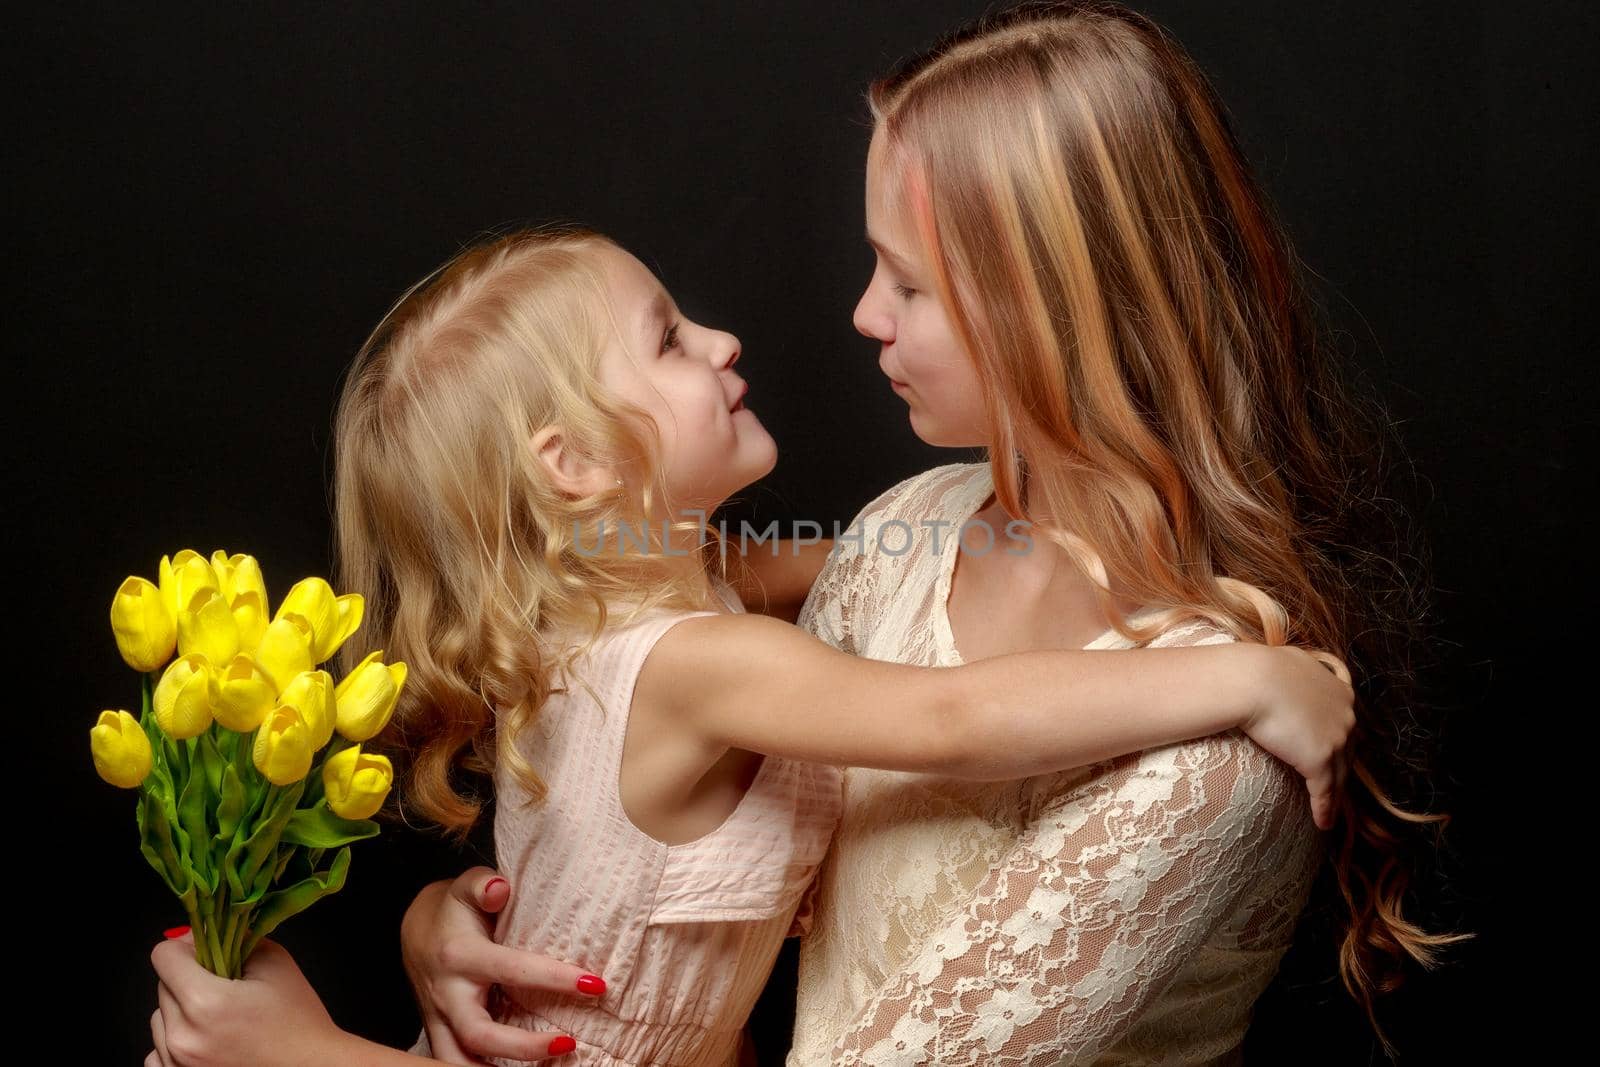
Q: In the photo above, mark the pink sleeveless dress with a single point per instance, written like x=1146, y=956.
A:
x=684, y=935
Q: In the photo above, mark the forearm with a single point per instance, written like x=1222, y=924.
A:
x=349, y=1050
x=774, y=577
x=1031, y=713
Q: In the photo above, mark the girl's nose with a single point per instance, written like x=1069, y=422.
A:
x=871, y=321
x=729, y=352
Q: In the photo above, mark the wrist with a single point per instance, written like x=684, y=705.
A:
x=1258, y=669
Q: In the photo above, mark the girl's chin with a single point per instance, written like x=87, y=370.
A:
x=932, y=433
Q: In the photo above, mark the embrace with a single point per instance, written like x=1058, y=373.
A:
x=1051, y=796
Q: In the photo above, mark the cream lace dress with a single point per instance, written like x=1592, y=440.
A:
x=1129, y=912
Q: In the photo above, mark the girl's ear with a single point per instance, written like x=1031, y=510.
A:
x=569, y=471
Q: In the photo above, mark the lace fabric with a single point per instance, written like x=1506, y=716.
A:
x=1128, y=912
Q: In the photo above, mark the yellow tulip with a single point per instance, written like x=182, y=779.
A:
x=356, y=783
x=146, y=632
x=285, y=649
x=250, y=616
x=238, y=574
x=244, y=695
x=283, y=748
x=365, y=699
x=206, y=628
x=182, y=577
x=332, y=618
x=120, y=748
x=186, y=697
x=311, y=693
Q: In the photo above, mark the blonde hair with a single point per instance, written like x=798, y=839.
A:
x=445, y=520
x=1152, y=375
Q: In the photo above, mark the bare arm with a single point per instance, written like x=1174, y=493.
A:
x=742, y=681
x=773, y=578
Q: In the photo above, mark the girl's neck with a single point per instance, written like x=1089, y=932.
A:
x=679, y=553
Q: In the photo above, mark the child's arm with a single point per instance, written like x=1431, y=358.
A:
x=773, y=577
x=743, y=681
x=268, y=1018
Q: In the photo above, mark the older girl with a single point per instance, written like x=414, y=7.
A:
x=1077, y=271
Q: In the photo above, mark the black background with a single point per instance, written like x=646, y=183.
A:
x=216, y=205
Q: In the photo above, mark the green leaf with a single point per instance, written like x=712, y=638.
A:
x=155, y=841
x=210, y=760
x=256, y=788
x=227, y=743
x=178, y=757
x=232, y=806
x=259, y=794
x=318, y=827
x=192, y=820
x=264, y=837
x=230, y=810
x=265, y=875
x=285, y=903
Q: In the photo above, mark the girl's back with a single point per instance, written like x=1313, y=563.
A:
x=685, y=934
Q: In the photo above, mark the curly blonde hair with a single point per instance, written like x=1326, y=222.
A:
x=446, y=523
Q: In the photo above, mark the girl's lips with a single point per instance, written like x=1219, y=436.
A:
x=738, y=405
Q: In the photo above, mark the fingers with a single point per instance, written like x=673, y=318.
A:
x=158, y=1036
x=1322, y=796
x=1327, y=790
x=482, y=1037
x=484, y=961
x=508, y=1042
x=169, y=1016
x=1333, y=663
x=176, y=966
x=170, y=967
x=482, y=888
x=444, y=1047
x=270, y=961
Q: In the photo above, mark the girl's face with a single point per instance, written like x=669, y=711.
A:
x=681, y=373
x=921, y=355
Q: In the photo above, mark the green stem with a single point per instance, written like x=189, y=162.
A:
x=214, y=943
x=199, y=921
x=240, y=932
x=230, y=943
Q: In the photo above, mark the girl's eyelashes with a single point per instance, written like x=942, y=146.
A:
x=670, y=340
x=905, y=292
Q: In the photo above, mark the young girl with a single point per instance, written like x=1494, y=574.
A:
x=665, y=765
x=1077, y=271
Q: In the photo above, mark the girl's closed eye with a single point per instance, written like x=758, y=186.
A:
x=669, y=340
x=905, y=292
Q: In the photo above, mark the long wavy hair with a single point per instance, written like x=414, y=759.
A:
x=1154, y=374
x=469, y=558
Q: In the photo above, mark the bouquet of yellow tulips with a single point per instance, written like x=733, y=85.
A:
x=246, y=756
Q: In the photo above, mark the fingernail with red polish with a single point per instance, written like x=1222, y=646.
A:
x=562, y=1045
x=592, y=984
x=490, y=884
x=176, y=932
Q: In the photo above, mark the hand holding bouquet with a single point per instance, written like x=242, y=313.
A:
x=247, y=757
